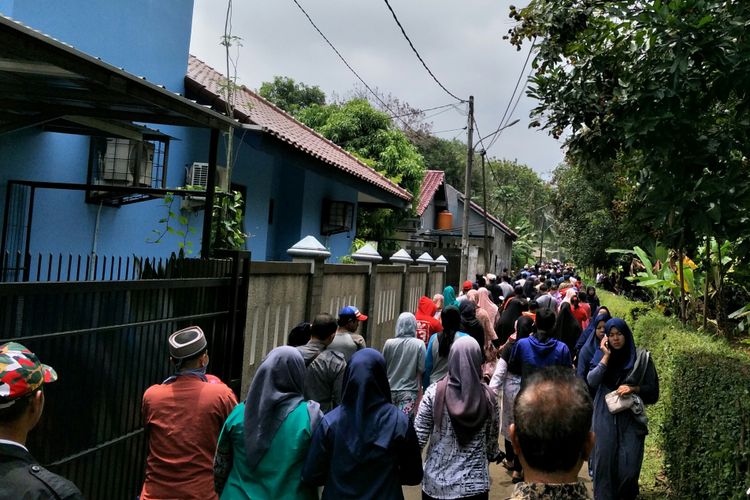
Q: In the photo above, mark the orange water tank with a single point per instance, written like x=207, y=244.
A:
x=444, y=220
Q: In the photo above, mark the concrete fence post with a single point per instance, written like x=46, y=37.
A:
x=426, y=260
x=402, y=257
x=311, y=251
x=442, y=263
x=368, y=255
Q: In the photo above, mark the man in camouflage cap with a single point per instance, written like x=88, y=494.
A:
x=22, y=378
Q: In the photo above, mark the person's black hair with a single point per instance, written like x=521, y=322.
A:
x=582, y=297
x=451, y=320
x=552, y=418
x=543, y=287
x=533, y=305
x=323, y=326
x=345, y=320
x=13, y=412
x=300, y=335
x=545, y=320
x=518, y=290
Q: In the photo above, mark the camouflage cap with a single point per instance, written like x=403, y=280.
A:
x=21, y=373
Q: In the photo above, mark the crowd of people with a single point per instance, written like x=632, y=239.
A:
x=533, y=357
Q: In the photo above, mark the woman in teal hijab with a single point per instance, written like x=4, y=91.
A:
x=449, y=297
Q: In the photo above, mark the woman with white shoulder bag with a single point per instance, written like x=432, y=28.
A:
x=625, y=380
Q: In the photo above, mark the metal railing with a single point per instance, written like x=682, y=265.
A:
x=107, y=341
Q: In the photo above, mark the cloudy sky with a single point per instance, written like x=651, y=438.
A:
x=461, y=41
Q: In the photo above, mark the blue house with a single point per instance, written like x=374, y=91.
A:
x=89, y=145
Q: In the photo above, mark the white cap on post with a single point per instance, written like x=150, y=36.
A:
x=425, y=259
x=401, y=257
x=441, y=261
x=308, y=249
x=368, y=255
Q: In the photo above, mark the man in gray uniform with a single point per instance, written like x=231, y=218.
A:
x=347, y=341
x=325, y=368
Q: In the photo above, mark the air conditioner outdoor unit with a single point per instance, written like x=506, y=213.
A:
x=124, y=160
x=197, y=176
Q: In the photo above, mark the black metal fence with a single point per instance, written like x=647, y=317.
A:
x=107, y=341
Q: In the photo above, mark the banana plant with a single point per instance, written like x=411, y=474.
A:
x=658, y=276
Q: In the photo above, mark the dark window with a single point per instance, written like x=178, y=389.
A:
x=338, y=217
x=270, y=211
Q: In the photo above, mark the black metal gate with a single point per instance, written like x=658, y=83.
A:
x=107, y=341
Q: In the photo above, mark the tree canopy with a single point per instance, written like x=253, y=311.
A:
x=658, y=90
x=291, y=96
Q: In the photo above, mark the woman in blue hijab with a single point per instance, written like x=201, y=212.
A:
x=618, y=452
x=591, y=343
x=365, y=448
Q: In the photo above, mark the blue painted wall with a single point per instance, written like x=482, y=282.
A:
x=151, y=38
x=148, y=38
x=272, y=170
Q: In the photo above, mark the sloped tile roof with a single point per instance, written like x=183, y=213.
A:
x=491, y=218
x=252, y=108
x=430, y=184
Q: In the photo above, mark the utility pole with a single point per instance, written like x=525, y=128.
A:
x=541, y=244
x=467, y=197
x=483, y=153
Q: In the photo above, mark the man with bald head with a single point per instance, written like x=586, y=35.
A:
x=551, y=434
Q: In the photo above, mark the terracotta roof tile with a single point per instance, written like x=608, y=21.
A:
x=252, y=108
x=430, y=184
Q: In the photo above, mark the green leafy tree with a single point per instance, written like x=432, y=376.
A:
x=662, y=83
x=442, y=154
x=661, y=86
x=291, y=96
x=371, y=135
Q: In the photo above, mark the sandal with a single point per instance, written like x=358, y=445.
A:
x=516, y=478
x=507, y=464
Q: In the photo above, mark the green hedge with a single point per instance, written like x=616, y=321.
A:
x=700, y=428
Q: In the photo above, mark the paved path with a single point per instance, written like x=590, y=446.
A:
x=501, y=486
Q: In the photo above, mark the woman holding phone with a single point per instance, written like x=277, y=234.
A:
x=620, y=369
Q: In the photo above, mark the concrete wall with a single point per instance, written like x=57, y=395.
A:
x=416, y=287
x=344, y=285
x=275, y=305
x=280, y=294
x=437, y=280
x=388, y=304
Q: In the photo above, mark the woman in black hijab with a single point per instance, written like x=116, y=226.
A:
x=567, y=329
x=469, y=322
x=512, y=310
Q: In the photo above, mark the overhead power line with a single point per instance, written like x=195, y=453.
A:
x=403, y=31
x=381, y=101
x=506, y=117
x=450, y=130
x=418, y=111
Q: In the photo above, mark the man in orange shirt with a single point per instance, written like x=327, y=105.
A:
x=183, y=417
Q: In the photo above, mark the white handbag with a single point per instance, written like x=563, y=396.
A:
x=617, y=403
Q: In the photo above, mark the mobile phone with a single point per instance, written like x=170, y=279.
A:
x=606, y=344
